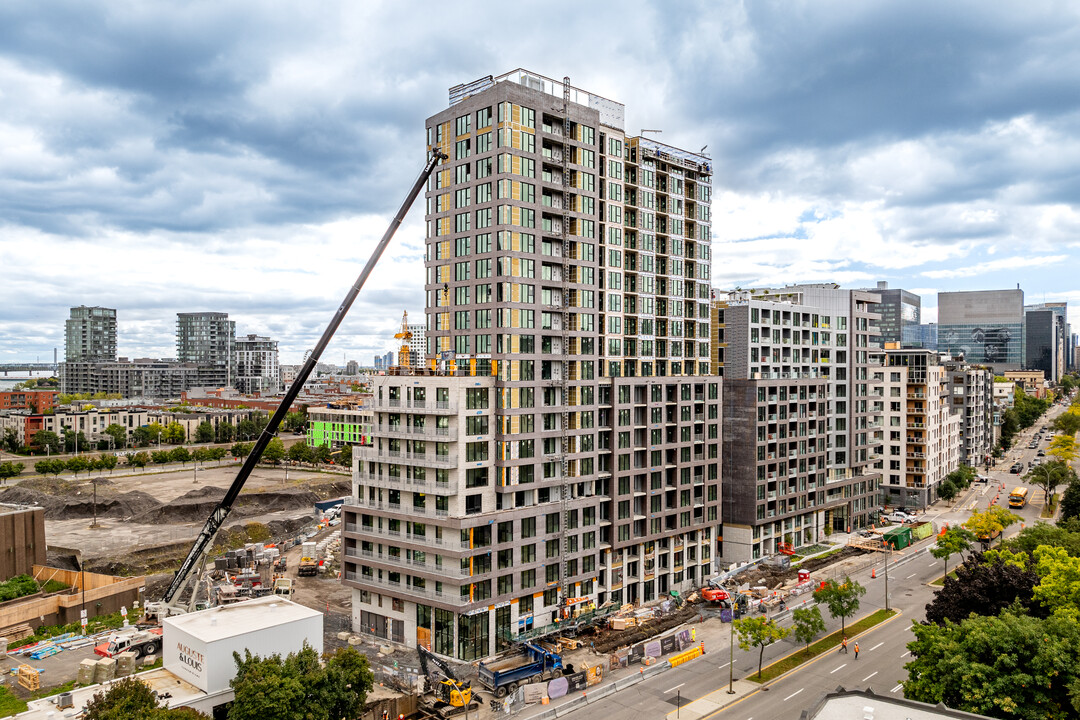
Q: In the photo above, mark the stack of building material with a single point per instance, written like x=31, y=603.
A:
x=87, y=669
x=105, y=670
x=125, y=664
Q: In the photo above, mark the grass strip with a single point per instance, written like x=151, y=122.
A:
x=824, y=645
x=940, y=582
x=10, y=703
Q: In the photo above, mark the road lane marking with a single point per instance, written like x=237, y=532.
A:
x=793, y=694
x=674, y=688
x=876, y=646
x=839, y=668
x=896, y=688
x=869, y=676
x=906, y=654
x=721, y=667
x=910, y=576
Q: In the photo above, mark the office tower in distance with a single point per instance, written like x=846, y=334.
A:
x=1047, y=332
x=562, y=445
x=207, y=339
x=256, y=365
x=899, y=310
x=90, y=335
x=417, y=344
x=985, y=326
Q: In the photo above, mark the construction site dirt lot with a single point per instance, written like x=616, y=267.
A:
x=146, y=521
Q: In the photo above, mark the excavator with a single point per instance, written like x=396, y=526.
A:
x=187, y=577
x=450, y=695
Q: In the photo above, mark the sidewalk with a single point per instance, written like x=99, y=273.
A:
x=716, y=700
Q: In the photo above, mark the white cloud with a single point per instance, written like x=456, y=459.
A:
x=1012, y=263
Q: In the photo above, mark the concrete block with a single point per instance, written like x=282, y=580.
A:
x=125, y=664
x=149, y=660
x=87, y=668
x=105, y=670
x=600, y=692
x=343, y=635
x=354, y=640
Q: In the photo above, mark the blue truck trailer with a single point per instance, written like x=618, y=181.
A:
x=533, y=664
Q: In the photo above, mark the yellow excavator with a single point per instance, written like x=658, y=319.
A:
x=445, y=695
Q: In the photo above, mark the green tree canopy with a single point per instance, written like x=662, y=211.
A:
x=808, y=624
x=155, y=433
x=955, y=540
x=118, y=433
x=947, y=491
x=204, y=433
x=174, y=434
x=10, y=470
x=47, y=439
x=139, y=459
x=346, y=455
x=77, y=464
x=131, y=698
x=226, y=432
x=180, y=455
x=1009, y=666
x=1059, y=581
x=298, y=687
x=300, y=453
x=275, y=451
x=1049, y=476
x=11, y=440
x=842, y=599
x=990, y=523
x=160, y=456
x=757, y=632
x=1068, y=422
x=984, y=585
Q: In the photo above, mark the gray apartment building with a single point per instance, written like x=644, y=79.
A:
x=985, y=326
x=207, y=339
x=561, y=448
x=90, y=335
x=899, y=309
x=140, y=378
x=800, y=434
x=255, y=364
x=971, y=395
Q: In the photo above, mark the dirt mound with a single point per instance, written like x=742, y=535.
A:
x=81, y=505
x=196, y=505
x=610, y=640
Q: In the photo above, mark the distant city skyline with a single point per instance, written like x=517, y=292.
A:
x=154, y=166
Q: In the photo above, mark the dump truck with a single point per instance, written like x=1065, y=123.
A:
x=532, y=664
x=309, y=564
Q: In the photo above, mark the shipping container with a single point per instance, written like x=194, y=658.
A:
x=898, y=537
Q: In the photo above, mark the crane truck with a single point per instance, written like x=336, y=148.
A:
x=449, y=696
x=186, y=577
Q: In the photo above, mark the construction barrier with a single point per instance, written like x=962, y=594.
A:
x=600, y=693
x=570, y=706
x=677, y=660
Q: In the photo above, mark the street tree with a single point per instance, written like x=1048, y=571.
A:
x=300, y=453
x=346, y=455
x=955, y=540
x=75, y=441
x=204, y=433
x=201, y=454
x=118, y=433
x=180, y=455
x=842, y=599
x=295, y=421
x=808, y=624
x=10, y=470
x=174, y=434
x=47, y=439
x=226, y=432
x=757, y=632
x=1068, y=422
x=139, y=459
x=321, y=454
x=947, y=491
x=160, y=457
x=11, y=440
x=109, y=461
x=990, y=523
x=240, y=449
x=1010, y=665
x=275, y=451
x=1063, y=448
x=246, y=429
x=983, y=586
x=43, y=467
x=218, y=453
x=1049, y=476
x=77, y=464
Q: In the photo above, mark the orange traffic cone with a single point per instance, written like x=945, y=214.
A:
x=873, y=573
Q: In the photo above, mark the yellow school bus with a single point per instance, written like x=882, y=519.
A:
x=1018, y=497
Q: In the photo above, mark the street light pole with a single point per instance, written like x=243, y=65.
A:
x=887, y=548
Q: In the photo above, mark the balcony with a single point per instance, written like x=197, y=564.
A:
x=436, y=407
x=423, y=433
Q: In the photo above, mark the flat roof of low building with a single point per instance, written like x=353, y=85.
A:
x=161, y=680
x=866, y=704
x=225, y=621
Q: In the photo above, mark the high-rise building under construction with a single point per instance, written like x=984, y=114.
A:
x=559, y=446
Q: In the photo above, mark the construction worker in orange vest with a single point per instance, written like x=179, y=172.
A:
x=843, y=645
x=856, y=649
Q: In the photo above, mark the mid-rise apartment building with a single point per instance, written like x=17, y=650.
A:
x=90, y=335
x=256, y=365
x=798, y=431
x=569, y=450
x=140, y=378
x=971, y=395
x=207, y=339
x=921, y=432
x=337, y=425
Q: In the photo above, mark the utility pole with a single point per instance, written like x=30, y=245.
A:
x=887, y=548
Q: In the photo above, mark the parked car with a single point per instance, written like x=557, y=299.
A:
x=1017, y=468
x=1041, y=453
x=898, y=516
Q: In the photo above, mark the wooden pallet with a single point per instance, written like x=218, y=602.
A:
x=29, y=678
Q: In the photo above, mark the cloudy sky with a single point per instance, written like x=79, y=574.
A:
x=246, y=156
